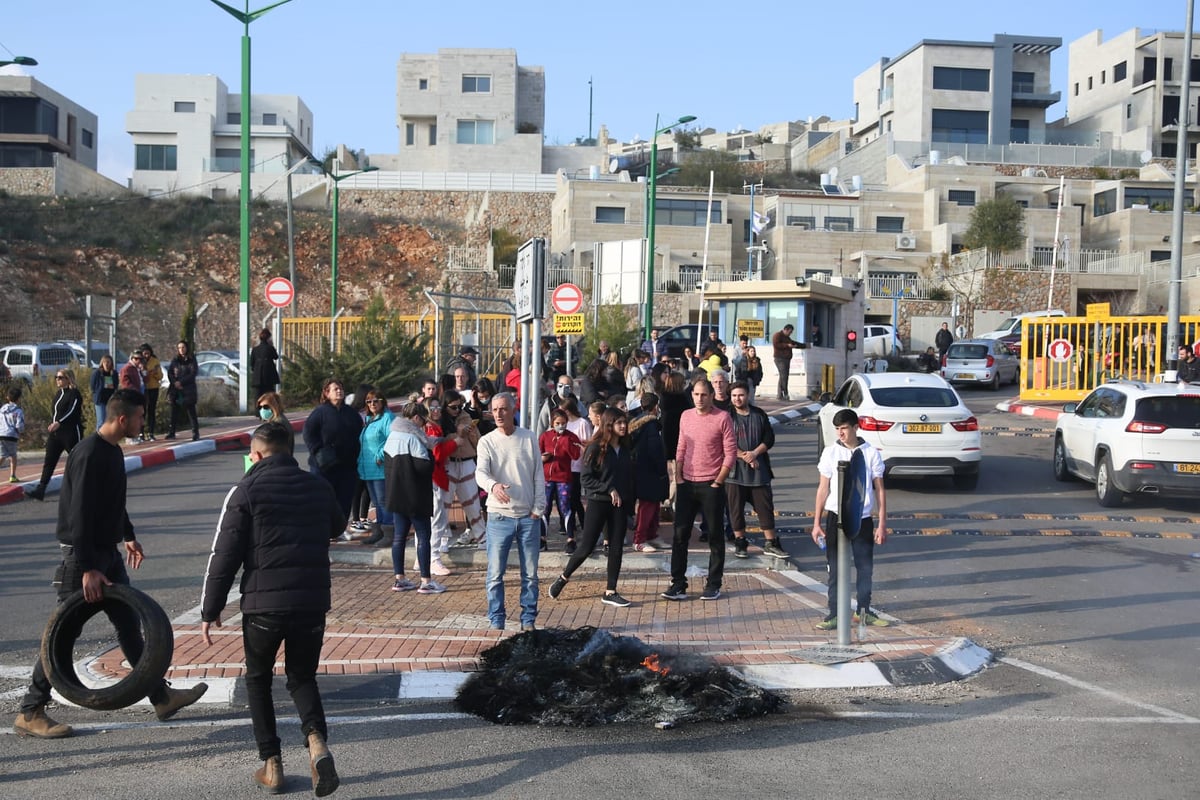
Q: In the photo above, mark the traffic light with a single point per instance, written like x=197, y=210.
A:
x=851, y=340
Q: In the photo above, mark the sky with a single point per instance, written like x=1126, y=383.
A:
x=730, y=65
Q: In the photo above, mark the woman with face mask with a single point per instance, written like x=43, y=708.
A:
x=564, y=389
x=270, y=409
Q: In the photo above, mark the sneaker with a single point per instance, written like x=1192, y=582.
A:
x=466, y=538
x=13, y=479
x=645, y=547
x=741, y=547
x=556, y=588
x=431, y=587
x=403, y=585
x=869, y=617
x=614, y=599
x=543, y=547
x=710, y=593
x=827, y=624
x=170, y=437
x=772, y=548
x=569, y=547
x=436, y=567
x=675, y=592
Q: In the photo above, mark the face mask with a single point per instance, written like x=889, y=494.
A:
x=265, y=413
x=560, y=428
x=564, y=390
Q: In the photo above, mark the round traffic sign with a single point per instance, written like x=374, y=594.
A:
x=1060, y=350
x=567, y=298
x=280, y=292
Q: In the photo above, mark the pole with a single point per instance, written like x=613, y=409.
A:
x=1062, y=182
x=1173, y=288
x=291, y=229
x=244, y=227
x=523, y=343
x=648, y=321
x=704, y=261
x=843, y=565
x=589, y=108
x=750, y=250
x=333, y=275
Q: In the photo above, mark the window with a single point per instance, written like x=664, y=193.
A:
x=1077, y=88
x=1022, y=82
x=233, y=118
x=1195, y=71
x=1170, y=110
x=962, y=127
x=270, y=119
x=839, y=223
x=1129, y=111
x=1119, y=71
x=1149, y=68
x=156, y=157
x=228, y=159
x=889, y=224
x=88, y=139
x=433, y=134
x=1160, y=255
x=1168, y=69
x=183, y=107
x=410, y=134
x=807, y=223
x=684, y=212
x=1103, y=76
x=1089, y=83
x=610, y=215
x=1157, y=199
x=1019, y=132
x=476, y=131
x=961, y=79
x=963, y=197
x=422, y=84
x=476, y=84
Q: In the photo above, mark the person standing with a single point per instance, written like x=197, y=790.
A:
x=782, y=345
x=608, y=486
x=152, y=370
x=704, y=459
x=650, y=477
x=653, y=347
x=825, y=519
x=460, y=467
x=275, y=526
x=750, y=481
x=1188, y=370
x=559, y=447
x=410, y=493
x=270, y=409
x=263, y=372
x=182, y=393
x=371, y=439
x=331, y=438
x=131, y=376
x=509, y=469
x=943, y=339
x=92, y=519
x=12, y=425
x=103, y=383
x=64, y=431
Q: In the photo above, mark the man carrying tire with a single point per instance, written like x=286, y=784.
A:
x=275, y=527
x=92, y=519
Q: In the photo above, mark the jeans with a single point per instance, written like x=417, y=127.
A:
x=101, y=413
x=863, y=549
x=693, y=496
x=502, y=533
x=151, y=411
x=602, y=515
x=377, y=490
x=302, y=634
x=784, y=366
x=423, y=528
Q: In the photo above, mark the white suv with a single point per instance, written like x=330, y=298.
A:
x=32, y=361
x=1132, y=437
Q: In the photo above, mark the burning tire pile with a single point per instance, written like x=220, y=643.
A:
x=588, y=676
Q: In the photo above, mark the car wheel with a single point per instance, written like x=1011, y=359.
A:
x=1107, y=494
x=995, y=385
x=1061, y=472
x=820, y=440
x=966, y=481
x=65, y=627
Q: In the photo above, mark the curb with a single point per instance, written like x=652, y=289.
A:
x=1025, y=409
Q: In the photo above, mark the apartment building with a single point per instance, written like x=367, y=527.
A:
x=37, y=124
x=1129, y=88
x=186, y=133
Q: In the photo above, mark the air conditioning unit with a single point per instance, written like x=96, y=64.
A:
x=906, y=241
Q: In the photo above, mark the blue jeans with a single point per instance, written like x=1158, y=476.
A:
x=502, y=532
x=862, y=548
x=101, y=414
x=378, y=490
x=423, y=528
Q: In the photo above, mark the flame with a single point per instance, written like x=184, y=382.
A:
x=650, y=662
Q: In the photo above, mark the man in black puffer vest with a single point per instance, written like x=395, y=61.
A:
x=275, y=526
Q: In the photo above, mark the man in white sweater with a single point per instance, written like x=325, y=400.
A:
x=509, y=469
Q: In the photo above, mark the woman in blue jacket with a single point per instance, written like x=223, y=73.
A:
x=370, y=461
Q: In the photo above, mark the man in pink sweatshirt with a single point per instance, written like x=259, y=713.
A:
x=707, y=450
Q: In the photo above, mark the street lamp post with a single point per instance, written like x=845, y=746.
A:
x=648, y=322
x=245, y=17
x=21, y=61
x=333, y=304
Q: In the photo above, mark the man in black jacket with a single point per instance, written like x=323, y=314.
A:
x=275, y=526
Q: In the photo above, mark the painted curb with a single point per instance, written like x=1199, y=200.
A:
x=1038, y=412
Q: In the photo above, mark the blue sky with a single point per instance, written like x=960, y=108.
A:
x=759, y=64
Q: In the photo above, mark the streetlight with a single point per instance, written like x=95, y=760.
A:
x=245, y=17
x=22, y=61
x=333, y=305
x=646, y=200
x=648, y=323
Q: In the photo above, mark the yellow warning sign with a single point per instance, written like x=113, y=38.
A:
x=751, y=328
x=568, y=324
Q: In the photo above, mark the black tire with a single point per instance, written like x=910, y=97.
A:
x=966, y=481
x=64, y=628
x=1061, y=472
x=1107, y=494
x=995, y=384
x=820, y=440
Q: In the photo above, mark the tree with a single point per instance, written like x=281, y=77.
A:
x=614, y=323
x=998, y=225
x=187, y=326
x=727, y=173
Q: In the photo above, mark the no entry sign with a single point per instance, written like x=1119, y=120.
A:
x=280, y=292
x=567, y=298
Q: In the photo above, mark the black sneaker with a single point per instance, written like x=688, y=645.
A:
x=615, y=599
x=710, y=593
x=704, y=537
x=569, y=548
x=544, y=547
x=675, y=592
x=741, y=547
x=36, y=493
x=772, y=548
x=556, y=588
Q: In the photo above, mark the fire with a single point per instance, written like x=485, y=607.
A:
x=650, y=662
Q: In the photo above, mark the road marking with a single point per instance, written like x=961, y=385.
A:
x=1081, y=533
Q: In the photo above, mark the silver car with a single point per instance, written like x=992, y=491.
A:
x=986, y=362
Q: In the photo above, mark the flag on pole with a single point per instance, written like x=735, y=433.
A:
x=760, y=222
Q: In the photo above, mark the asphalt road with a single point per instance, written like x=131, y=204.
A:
x=1092, y=697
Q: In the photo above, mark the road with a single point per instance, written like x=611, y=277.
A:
x=1092, y=696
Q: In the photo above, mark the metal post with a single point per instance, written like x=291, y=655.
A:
x=648, y=321
x=533, y=391
x=843, y=566
x=1173, y=288
x=523, y=344
x=291, y=229
x=333, y=272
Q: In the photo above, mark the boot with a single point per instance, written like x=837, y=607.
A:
x=178, y=699
x=379, y=534
x=35, y=723
x=36, y=493
x=324, y=775
x=270, y=774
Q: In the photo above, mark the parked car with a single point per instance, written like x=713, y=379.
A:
x=225, y=370
x=918, y=423
x=31, y=361
x=217, y=355
x=98, y=349
x=1131, y=437
x=680, y=336
x=1012, y=325
x=980, y=361
x=880, y=341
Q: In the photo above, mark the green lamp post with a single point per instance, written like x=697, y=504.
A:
x=23, y=61
x=333, y=279
x=648, y=322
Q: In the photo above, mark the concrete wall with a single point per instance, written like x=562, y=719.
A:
x=68, y=109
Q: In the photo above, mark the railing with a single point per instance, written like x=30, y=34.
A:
x=1063, y=155
x=465, y=258
x=555, y=276
x=907, y=288
x=1104, y=262
x=1160, y=271
x=453, y=181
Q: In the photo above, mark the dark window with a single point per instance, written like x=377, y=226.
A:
x=1174, y=412
x=1168, y=69
x=1157, y=199
x=1119, y=72
x=684, y=212
x=1022, y=82
x=423, y=84
x=1104, y=203
x=185, y=107
x=961, y=79
x=433, y=134
x=233, y=118
x=87, y=138
x=1160, y=255
x=611, y=215
x=1019, y=132
x=410, y=134
x=1077, y=88
x=962, y=127
x=807, y=223
x=1195, y=70
x=476, y=84
x=889, y=224
x=914, y=397
x=964, y=197
x=1167, y=149
x=156, y=157
x=270, y=119
x=1103, y=76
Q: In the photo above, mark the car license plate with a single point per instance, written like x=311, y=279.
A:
x=925, y=427
x=1188, y=468
x=964, y=376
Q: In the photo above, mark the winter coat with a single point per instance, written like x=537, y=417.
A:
x=650, y=481
x=183, y=370
x=262, y=365
x=370, y=446
x=673, y=404
x=563, y=449
x=408, y=463
x=12, y=421
x=614, y=471
x=331, y=437
x=103, y=384
x=443, y=448
x=153, y=369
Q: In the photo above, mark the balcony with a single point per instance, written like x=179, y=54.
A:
x=1028, y=94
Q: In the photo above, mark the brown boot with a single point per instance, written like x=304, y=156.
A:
x=35, y=723
x=324, y=774
x=270, y=774
x=178, y=699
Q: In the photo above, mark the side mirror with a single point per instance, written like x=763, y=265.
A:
x=1069, y=408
